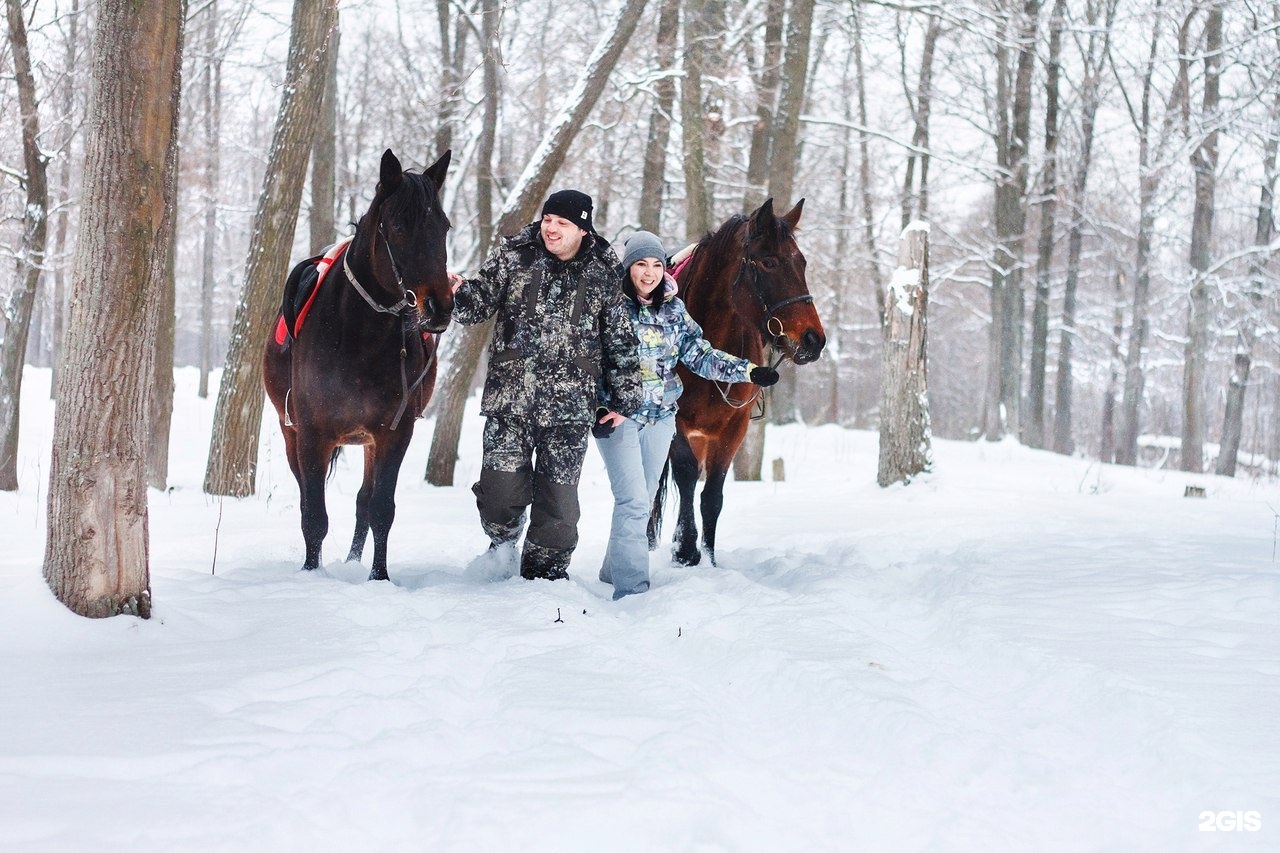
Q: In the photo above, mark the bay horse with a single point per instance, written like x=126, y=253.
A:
x=745, y=285
x=362, y=368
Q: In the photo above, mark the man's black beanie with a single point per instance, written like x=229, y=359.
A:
x=572, y=205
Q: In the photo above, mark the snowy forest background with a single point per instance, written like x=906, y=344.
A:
x=1147, y=130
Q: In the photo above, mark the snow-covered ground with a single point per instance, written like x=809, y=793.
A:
x=1018, y=652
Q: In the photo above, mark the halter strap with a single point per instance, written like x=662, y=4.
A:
x=407, y=303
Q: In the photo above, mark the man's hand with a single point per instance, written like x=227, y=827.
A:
x=455, y=281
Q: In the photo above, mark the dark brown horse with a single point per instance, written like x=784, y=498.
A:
x=745, y=285
x=362, y=366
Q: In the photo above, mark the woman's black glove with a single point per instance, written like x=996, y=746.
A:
x=764, y=376
x=599, y=429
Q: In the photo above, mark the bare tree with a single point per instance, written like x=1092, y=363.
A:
x=233, y=449
x=1204, y=163
x=1150, y=172
x=1012, y=135
x=1255, y=298
x=66, y=109
x=521, y=206
x=915, y=190
x=906, y=445
x=211, y=102
x=1034, y=429
x=766, y=78
x=35, y=228
x=697, y=206
x=160, y=385
x=96, y=552
x=1099, y=44
x=320, y=219
x=653, y=182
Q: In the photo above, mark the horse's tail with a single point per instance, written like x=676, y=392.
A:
x=333, y=463
x=655, y=512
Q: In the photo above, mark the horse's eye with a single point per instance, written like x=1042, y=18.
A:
x=769, y=263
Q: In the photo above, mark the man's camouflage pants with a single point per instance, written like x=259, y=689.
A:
x=533, y=465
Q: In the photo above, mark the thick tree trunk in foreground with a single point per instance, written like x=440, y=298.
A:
x=906, y=444
x=35, y=226
x=521, y=207
x=96, y=551
x=233, y=449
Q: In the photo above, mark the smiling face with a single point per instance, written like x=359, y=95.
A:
x=646, y=275
x=561, y=237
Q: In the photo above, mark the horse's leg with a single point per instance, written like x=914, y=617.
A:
x=684, y=470
x=387, y=456
x=313, y=460
x=362, y=507
x=713, y=501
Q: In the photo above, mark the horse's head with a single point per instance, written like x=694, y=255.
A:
x=773, y=266
x=408, y=225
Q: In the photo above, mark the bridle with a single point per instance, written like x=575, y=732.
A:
x=768, y=321
x=407, y=310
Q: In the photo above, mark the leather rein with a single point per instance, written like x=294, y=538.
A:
x=411, y=322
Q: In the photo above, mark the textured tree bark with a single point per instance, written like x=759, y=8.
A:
x=324, y=155
x=906, y=445
x=521, y=207
x=211, y=95
x=237, y=420
x=766, y=106
x=96, y=550
x=1034, y=430
x=160, y=386
x=1204, y=163
x=653, y=181
x=35, y=226
x=697, y=205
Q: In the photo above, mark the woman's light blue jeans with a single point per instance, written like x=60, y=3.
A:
x=634, y=455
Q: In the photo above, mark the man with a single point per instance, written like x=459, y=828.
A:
x=561, y=329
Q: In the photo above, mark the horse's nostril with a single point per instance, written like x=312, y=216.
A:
x=812, y=342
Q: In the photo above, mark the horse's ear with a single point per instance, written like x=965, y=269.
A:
x=437, y=170
x=390, y=174
x=792, y=217
x=763, y=221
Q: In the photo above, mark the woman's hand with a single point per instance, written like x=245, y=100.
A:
x=606, y=422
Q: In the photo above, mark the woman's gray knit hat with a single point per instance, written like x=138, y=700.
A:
x=640, y=245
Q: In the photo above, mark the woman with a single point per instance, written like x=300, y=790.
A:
x=635, y=448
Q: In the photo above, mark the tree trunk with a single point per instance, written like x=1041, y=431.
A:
x=1107, y=451
x=1148, y=187
x=784, y=157
x=697, y=218
x=521, y=206
x=1007, y=304
x=211, y=93
x=233, y=450
x=1034, y=434
x=915, y=202
x=35, y=225
x=1204, y=163
x=324, y=155
x=1264, y=231
x=653, y=184
x=1090, y=97
x=766, y=105
x=783, y=161
x=66, y=109
x=906, y=444
x=160, y=386
x=485, y=184
x=96, y=550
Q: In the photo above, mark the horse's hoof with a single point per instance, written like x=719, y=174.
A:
x=307, y=568
x=378, y=575
x=682, y=558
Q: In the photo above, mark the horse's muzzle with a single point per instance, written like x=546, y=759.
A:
x=809, y=347
x=435, y=317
